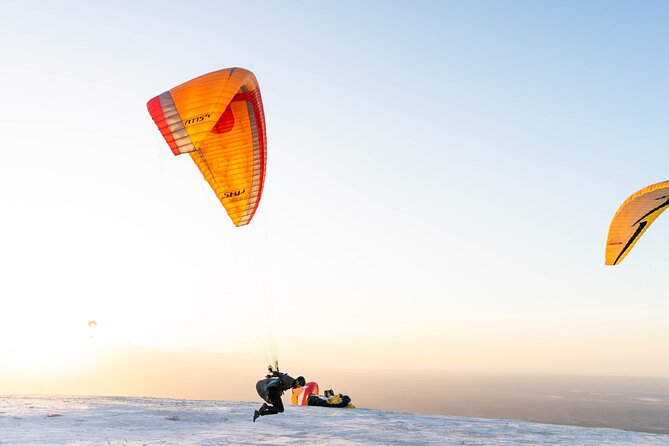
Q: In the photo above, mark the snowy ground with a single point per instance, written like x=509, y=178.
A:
x=73, y=420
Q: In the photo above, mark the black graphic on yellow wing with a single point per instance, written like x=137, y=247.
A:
x=633, y=218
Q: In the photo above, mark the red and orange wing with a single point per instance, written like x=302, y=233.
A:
x=218, y=118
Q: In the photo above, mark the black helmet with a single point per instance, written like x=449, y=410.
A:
x=299, y=381
x=328, y=393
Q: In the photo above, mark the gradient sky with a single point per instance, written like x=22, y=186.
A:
x=440, y=181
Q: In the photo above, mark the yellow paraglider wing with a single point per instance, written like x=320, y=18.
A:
x=218, y=119
x=633, y=218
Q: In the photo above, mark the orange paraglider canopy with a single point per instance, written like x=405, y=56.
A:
x=633, y=218
x=301, y=394
x=218, y=119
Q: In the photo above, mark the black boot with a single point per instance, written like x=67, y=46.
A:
x=256, y=414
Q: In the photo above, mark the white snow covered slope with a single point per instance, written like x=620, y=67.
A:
x=79, y=420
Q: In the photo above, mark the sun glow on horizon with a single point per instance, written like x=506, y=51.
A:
x=47, y=352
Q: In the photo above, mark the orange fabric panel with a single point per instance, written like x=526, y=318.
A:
x=294, y=397
x=218, y=118
x=300, y=394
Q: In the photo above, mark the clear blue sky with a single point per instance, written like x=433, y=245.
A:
x=441, y=176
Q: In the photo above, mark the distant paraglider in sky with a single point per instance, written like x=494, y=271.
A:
x=218, y=119
x=92, y=325
x=633, y=218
